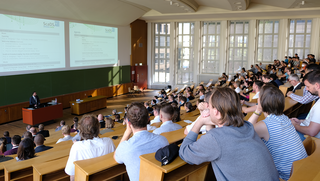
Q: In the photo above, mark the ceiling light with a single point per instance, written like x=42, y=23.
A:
x=237, y=3
x=170, y=2
x=302, y=3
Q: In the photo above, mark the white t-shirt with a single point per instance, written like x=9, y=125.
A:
x=87, y=149
x=202, y=129
x=313, y=116
x=155, y=120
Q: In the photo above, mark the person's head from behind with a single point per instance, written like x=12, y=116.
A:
x=188, y=106
x=176, y=115
x=166, y=112
x=273, y=77
x=137, y=115
x=117, y=117
x=66, y=130
x=16, y=139
x=312, y=82
x=41, y=127
x=25, y=149
x=27, y=134
x=3, y=144
x=89, y=127
x=271, y=100
x=100, y=117
x=28, y=127
x=33, y=130
x=257, y=86
x=114, y=111
x=39, y=140
x=109, y=123
x=75, y=119
x=62, y=123
x=6, y=134
x=156, y=110
x=225, y=108
x=312, y=67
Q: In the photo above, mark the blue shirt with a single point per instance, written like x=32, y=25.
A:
x=142, y=142
x=167, y=127
x=284, y=144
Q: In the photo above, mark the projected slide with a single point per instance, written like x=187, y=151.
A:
x=31, y=43
x=92, y=45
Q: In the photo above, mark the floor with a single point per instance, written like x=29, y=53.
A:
x=118, y=103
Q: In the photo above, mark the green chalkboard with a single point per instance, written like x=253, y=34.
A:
x=18, y=88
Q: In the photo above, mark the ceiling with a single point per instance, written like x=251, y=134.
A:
x=123, y=12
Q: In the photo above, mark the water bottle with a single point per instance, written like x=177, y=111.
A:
x=55, y=101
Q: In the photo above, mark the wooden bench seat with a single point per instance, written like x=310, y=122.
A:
x=308, y=168
x=45, y=172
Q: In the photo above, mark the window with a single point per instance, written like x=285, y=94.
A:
x=299, y=37
x=238, y=45
x=185, y=53
x=161, y=72
x=210, y=47
x=268, y=34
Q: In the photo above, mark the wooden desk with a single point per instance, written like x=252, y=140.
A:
x=308, y=168
x=43, y=171
x=40, y=115
x=151, y=169
x=284, y=88
x=88, y=105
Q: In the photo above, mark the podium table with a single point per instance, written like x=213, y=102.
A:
x=40, y=115
x=88, y=104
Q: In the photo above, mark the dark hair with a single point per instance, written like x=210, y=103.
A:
x=156, y=108
x=208, y=95
x=137, y=115
x=189, y=106
x=272, y=100
x=312, y=77
x=168, y=110
x=25, y=149
x=266, y=76
x=16, y=139
x=313, y=67
x=273, y=76
x=182, y=98
x=227, y=102
x=62, y=122
x=117, y=116
x=27, y=134
x=89, y=127
x=33, y=92
x=75, y=119
x=6, y=133
x=176, y=115
x=258, y=83
x=39, y=139
x=3, y=144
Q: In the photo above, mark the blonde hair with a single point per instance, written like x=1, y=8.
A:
x=109, y=123
x=66, y=129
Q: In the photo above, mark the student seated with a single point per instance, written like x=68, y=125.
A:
x=75, y=120
x=176, y=114
x=188, y=107
x=91, y=145
x=109, y=125
x=276, y=131
x=16, y=139
x=232, y=140
x=150, y=110
x=39, y=140
x=7, y=136
x=101, y=121
x=25, y=149
x=117, y=118
x=142, y=142
x=166, y=113
x=156, y=112
x=45, y=133
x=182, y=101
x=190, y=96
x=201, y=94
x=3, y=145
x=66, y=134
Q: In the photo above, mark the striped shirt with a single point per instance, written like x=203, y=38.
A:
x=284, y=144
x=306, y=98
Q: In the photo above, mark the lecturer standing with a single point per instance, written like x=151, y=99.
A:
x=34, y=100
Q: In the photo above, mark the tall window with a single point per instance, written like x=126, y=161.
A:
x=161, y=53
x=210, y=47
x=185, y=53
x=238, y=45
x=268, y=33
x=299, y=37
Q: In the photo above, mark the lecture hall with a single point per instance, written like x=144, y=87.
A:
x=120, y=90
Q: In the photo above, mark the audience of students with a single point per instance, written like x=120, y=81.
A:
x=233, y=139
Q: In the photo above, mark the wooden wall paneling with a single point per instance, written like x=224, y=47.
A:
x=15, y=112
x=4, y=114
